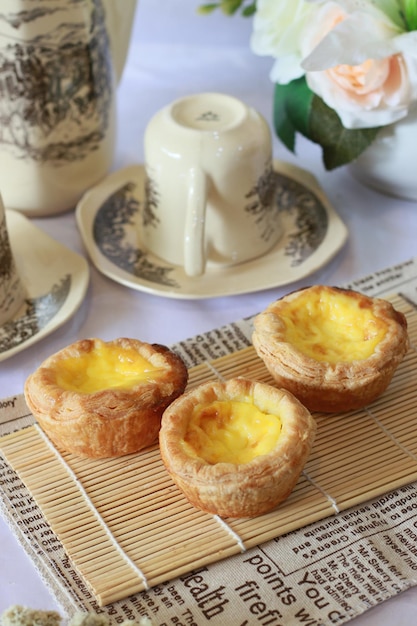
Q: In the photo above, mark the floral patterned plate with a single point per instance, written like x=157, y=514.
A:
x=55, y=279
x=109, y=219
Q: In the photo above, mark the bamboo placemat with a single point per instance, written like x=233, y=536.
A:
x=126, y=526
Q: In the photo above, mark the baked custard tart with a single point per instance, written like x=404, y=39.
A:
x=103, y=399
x=334, y=349
x=236, y=448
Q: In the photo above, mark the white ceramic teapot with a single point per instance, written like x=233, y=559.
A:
x=60, y=61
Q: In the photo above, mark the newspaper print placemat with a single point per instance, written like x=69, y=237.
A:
x=326, y=573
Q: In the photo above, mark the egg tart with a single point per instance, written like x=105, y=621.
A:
x=334, y=349
x=236, y=448
x=102, y=399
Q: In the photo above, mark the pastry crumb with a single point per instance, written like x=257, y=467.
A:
x=17, y=615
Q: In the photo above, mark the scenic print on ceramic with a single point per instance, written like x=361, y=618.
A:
x=261, y=206
x=37, y=313
x=116, y=228
x=56, y=83
x=11, y=287
x=311, y=220
x=110, y=232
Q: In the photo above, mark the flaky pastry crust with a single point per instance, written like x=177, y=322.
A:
x=324, y=386
x=245, y=489
x=110, y=422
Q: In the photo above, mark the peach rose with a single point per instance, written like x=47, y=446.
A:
x=360, y=63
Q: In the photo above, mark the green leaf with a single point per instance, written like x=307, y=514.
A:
x=205, y=9
x=339, y=144
x=282, y=124
x=229, y=7
x=299, y=104
x=292, y=104
x=410, y=14
x=249, y=10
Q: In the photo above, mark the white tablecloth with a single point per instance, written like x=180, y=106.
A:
x=174, y=52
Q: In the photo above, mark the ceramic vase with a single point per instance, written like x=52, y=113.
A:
x=389, y=163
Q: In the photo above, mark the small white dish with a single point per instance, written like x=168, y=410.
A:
x=55, y=279
x=108, y=217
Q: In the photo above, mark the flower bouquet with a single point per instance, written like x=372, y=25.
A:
x=343, y=69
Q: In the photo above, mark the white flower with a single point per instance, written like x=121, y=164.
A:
x=277, y=32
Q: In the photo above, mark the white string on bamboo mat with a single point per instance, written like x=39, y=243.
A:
x=97, y=515
x=231, y=532
x=323, y=491
x=215, y=372
x=389, y=434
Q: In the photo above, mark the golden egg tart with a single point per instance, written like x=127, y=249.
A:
x=236, y=448
x=334, y=349
x=102, y=399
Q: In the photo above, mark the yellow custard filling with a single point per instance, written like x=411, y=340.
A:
x=231, y=432
x=332, y=327
x=107, y=366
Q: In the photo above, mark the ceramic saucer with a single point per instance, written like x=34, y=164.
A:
x=108, y=217
x=55, y=279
